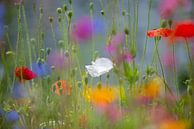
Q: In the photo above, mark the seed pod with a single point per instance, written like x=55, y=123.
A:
x=50, y=19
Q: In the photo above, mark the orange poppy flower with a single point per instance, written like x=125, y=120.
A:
x=61, y=87
x=163, y=32
x=174, y=125
x=101, y=97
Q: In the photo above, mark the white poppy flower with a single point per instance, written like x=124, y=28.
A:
x=99, y=67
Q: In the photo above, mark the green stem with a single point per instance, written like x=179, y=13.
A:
x=174, y=69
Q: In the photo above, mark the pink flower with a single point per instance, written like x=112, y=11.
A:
x=127, y=57
x=167, y=7
x=114, y=44
x=168, y=60
x=82, y=29
x=58, y=60
x=159, y=114
x=112, y=113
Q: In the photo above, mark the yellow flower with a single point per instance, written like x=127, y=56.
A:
x=174, y=125
x=101, y=96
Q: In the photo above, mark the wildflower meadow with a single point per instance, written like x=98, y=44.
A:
x=96, y=64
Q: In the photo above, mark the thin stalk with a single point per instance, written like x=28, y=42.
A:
x=174, y=69
x=27, y=36
x=53, y=34
x=160, y=62
x=145, y=45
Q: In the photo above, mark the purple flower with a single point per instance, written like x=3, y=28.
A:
x=12, y=116
x=58, y=60
x=19, y=92
x=82, y=30
x=41, y=69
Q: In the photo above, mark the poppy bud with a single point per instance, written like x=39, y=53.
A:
x=65, y=7
x=102, y=12
x=50, y=19
x=48, y=50
x=70, y=14
x=59, y=10
x=164, y=24
x=123, y=12
x=126, y=31
x=33, y=40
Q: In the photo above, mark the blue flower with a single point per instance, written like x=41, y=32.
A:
x=12, y=116
x=19, y=91
x=41, y=69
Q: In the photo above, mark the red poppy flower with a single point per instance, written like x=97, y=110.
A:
x=23, y=73
x=163, y=32
x=184, y=29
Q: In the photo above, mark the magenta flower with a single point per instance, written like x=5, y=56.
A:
x=58, y=60
x=82, y=29
x=115, y=43
x=168, y=60
x=167, y=7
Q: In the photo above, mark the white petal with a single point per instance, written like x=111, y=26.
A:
x=99, y=67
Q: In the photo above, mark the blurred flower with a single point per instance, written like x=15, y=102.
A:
x=61, y=87
x=163, y=32
x=58, y=60
x=174, y=125
x=41, y=69
x=184, y=29
x=19, y=92
x=167, y=7
x=82, y=29
x=113, y=113
x=159, y=114
x=168, y=60
x=1, y=112
x=83, y=121
x=15, y=126
x=101, y=97
x=114, y=44
x=127, y=57
x=17, y=2
x=153, y=89
x=12, y=116
x=23, y=73
x=99, y=67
